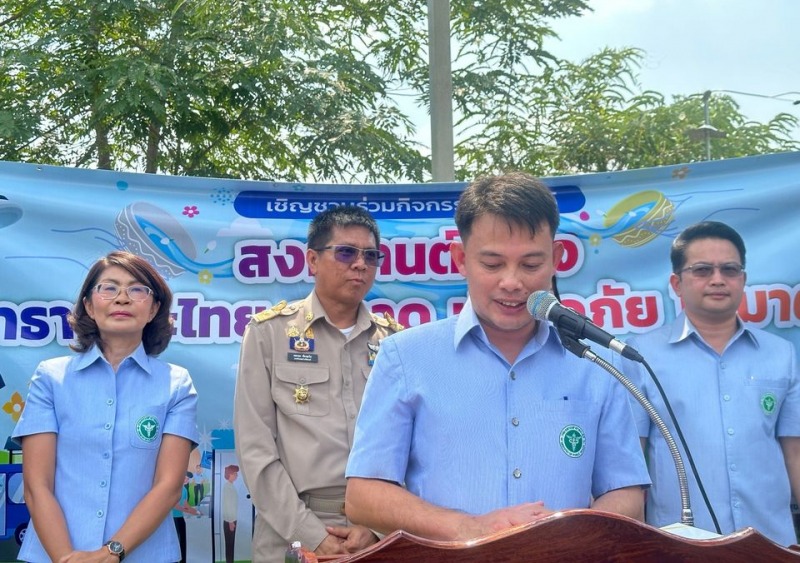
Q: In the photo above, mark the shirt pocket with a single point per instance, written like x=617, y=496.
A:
x=570, y=427
x=767, y=380
x=302, y=390
x=146, y=426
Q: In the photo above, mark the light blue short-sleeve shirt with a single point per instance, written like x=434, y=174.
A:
x=446, y=415
x=732, y=408
x=109, y=429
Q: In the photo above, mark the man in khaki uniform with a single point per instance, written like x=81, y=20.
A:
x=302, y=372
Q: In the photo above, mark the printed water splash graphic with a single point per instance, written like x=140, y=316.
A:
x=153, y=233
x=633, y=221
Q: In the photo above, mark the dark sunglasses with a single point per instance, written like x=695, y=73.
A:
x=349, y=254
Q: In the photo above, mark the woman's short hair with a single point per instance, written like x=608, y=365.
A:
x=157, y=333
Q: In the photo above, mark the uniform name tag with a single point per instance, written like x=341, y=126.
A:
x=297, y=357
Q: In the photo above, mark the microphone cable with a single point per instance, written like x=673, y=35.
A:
x=685, y=446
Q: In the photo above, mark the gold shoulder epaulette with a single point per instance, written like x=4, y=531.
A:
x=292, y=308
x=268, y=314
x=391, y=323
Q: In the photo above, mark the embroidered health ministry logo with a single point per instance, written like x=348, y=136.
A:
x=768, y=403
x=147, y=428
x=573, y=440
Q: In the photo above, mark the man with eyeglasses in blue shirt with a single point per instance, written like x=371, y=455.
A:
x=302, y=371
x=734, y=391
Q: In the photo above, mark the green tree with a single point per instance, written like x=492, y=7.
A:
x=236, y=88
x=307, y=90
x=592, y=116
x=283, y=89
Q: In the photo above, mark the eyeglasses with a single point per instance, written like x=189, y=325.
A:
x=702, y=270
x=111, y=290
x=349, y=254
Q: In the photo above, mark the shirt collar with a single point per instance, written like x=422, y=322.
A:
x=94, y=353
x=312, y=304
x=468, y=322
x=683, y=328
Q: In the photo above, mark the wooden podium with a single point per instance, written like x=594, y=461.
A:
x=577, y=536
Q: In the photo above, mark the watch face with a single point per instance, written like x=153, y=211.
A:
x=115, y=547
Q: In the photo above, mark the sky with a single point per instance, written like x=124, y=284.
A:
x=696, y=45
x=691, y=46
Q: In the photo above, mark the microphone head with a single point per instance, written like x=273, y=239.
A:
x=539, y=304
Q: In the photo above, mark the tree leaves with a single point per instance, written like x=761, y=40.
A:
x=309, y=90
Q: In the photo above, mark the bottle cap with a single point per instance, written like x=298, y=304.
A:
x=296, y=545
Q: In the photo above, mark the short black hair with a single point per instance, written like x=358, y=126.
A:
x=699, y=231
x=321, y=228
x=519, y=198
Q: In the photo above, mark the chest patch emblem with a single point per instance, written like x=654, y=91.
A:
x=147, y=428
x=768, y=403
x=573, y=440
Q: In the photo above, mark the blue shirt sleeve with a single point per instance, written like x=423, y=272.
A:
x=385, y=423
x=181, y=417
x=39, y=414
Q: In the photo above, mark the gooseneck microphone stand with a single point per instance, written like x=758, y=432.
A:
x=583, y=351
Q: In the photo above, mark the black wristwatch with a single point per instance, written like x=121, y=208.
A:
x=115, y=548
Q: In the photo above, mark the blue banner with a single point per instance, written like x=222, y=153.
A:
x=232, y=248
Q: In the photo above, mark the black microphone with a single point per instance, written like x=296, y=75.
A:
x=544, y=306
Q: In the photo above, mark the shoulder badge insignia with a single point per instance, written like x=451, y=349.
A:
x=372, y=352
x=268, y=314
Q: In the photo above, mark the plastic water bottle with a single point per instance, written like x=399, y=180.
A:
x=293, y=553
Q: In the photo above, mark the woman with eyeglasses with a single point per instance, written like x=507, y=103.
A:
x=106, y=433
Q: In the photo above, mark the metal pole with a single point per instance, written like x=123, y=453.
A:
x=441, y=84
x=707, y=130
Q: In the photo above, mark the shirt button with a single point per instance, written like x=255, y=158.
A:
x=99, y=513
x=107, y=425
x=513, y=375
x=103, y=483
x=517, y=474
x=733, y=467
x=723, y=365
x=731, y=431
x=726, y=397
x=346, y=384
x=110, y=402
x=515, y=421
x=105, y=455
x=352, y=416
x=302, y=380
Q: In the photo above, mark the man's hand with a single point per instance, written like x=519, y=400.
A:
x=354, y=538
x=101, y=555
x=502, y=519
x=331, y=545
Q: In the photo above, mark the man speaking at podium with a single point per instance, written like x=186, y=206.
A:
x=483, y=421
x=733, y=389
